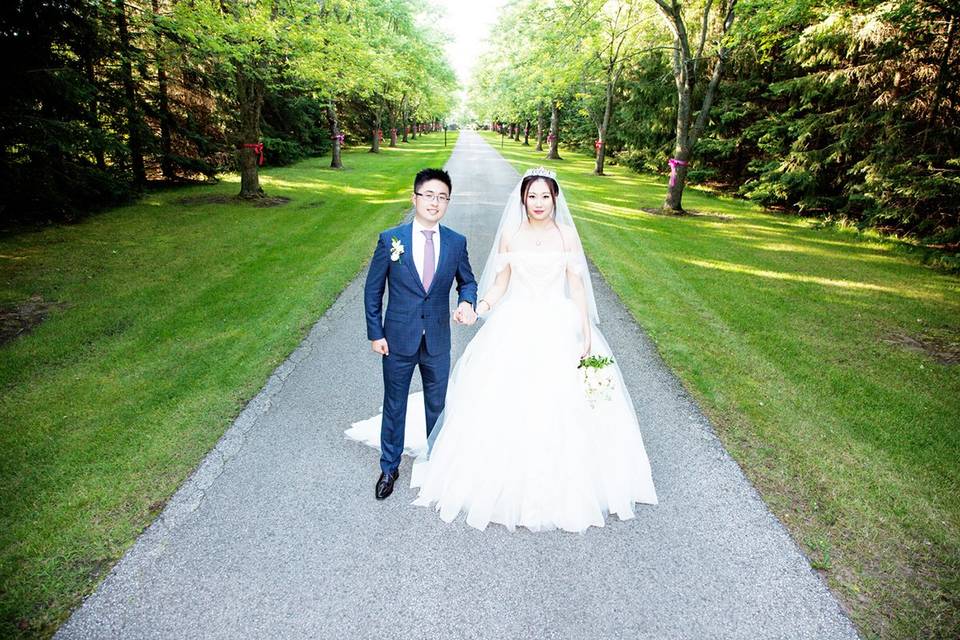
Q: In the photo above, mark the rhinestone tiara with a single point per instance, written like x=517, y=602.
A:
x=541, y=171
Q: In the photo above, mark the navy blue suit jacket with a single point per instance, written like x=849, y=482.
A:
x=413, y=313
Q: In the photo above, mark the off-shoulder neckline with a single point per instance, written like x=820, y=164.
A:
x=504, y=253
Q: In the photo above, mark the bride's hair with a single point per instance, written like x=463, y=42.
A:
x=526, y=183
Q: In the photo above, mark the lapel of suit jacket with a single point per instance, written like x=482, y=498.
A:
x=406, y=237
x=444, y=252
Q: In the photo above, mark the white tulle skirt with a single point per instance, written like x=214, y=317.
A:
x=519, y=443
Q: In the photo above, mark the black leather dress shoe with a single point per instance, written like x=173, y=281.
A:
x=385, y=484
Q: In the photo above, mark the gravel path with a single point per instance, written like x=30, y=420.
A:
x=277, y=533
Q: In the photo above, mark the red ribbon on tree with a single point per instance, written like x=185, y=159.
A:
x=596, y=145
x=257, y=149
x=674, y=163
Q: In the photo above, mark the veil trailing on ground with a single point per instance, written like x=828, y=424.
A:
x=513, y=216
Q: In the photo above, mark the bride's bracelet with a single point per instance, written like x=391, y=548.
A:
x=489, y=306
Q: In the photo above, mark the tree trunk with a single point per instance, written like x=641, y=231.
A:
x=600, y=146
x=681, y=144
x=94, y=119
x=516, y=133
x=540, y=127
x=375, y=145
x=403, y=118
x=134, y=130
x=940, y=83
x=392, y=109
x=413, y=130
x=526, y=134
x=605, y=126
x=250, y=90
x=684, y=73
x=163, y=103
x=553, y=139
x=335, y=162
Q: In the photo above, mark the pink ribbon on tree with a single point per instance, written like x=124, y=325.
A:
x=674, y=163
x=338, y=138
x=257, y=149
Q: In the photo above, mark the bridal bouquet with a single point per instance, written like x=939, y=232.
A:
x=598, y=381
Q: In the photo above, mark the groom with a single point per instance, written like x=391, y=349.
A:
x=418, y=261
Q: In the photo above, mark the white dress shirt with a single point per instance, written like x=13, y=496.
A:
x=419, y=241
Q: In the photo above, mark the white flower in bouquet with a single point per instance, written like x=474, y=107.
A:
x=598, y=380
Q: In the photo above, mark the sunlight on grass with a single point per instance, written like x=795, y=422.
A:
x=815, y=251
x=796, y=277
x=583, y=218
x=612, y=210
x=400, y=200
x=318, y=186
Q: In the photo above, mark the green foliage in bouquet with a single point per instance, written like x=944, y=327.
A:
x=597, y=362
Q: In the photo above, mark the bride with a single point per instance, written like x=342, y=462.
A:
x=521, y=441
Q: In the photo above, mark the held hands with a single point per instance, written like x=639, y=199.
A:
x=465, y=314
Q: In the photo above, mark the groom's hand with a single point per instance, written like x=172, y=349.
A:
x=380, y=346
x=465, y=314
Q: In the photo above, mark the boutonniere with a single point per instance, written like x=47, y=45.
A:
x=396, y=249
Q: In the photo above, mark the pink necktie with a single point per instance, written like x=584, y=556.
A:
x=428, y=260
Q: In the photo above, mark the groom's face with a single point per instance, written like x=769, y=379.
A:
x=430, y=201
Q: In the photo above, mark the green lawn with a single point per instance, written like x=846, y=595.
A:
x=173, y=316
x=821, y=356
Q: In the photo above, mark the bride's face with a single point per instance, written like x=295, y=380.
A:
x=539, y=201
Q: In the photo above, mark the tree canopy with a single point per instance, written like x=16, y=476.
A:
x=845, y=110
x=111, y=95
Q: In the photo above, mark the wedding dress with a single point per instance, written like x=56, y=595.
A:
x=519, y=442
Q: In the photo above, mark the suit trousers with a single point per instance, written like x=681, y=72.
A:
x=397, y=373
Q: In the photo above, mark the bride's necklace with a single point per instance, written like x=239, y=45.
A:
x=539, y=240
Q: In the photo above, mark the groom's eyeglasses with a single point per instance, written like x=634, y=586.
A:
x=442, y=198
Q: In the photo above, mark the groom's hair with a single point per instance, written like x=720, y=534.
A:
x=432, y=174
